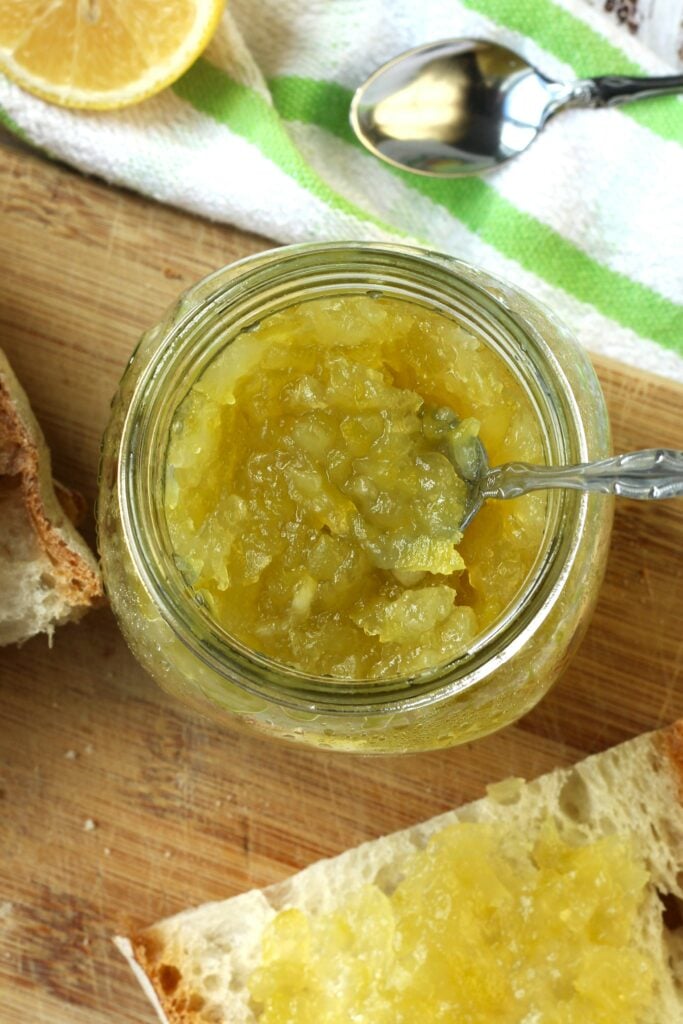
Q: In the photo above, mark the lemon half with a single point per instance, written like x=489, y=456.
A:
x=102, y=54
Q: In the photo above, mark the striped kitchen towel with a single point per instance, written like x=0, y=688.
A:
x=256, y=133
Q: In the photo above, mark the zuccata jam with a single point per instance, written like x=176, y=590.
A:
x=311, y=501
x=484, y=925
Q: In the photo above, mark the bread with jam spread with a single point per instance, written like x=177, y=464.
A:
x=254, y=957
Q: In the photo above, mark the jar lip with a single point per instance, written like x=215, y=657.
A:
x=236, y=288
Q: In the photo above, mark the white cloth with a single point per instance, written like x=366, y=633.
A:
x=589, y=220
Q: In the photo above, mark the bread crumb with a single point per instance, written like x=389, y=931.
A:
x=508, y=791
x=107, y=851
x=71, y=755
x=167, y=854
x=219, y=803
x=89, y=825
x=88, y=749
x=6, y=909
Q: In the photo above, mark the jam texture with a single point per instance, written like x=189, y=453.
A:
x=311, y=494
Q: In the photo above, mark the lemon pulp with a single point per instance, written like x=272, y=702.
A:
x=311, y=501
x=484, y=926
x=102, y=54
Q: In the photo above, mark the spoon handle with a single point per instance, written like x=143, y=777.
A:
x=609, y=90
x=646, y=475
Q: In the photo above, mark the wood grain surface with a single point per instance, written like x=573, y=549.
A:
x=117, y=806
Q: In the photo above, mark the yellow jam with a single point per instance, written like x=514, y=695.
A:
x=484, y=926
x=311, y=496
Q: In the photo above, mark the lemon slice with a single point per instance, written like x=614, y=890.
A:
x=102, y=54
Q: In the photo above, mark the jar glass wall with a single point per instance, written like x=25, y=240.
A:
x=509, y=666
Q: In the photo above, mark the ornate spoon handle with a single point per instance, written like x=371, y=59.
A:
x=610, y=90
x=646, y=475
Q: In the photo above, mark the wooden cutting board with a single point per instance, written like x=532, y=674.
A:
x=117, y=806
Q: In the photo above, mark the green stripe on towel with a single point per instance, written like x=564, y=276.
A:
x=212, y=92
x=12, y=126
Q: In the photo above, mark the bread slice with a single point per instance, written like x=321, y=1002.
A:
x=47, y=573
x=195, y=965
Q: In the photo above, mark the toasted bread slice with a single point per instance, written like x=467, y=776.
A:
x=195, y=966
x=47, y=573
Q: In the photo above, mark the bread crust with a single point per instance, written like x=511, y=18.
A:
x=24, y=457
x=152, y=952
x=672, y=741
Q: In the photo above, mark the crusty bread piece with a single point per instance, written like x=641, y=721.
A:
x=47, y=573
x=194, y=966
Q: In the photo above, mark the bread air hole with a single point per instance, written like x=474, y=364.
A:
x=169, y=978
x=195, y=1003
x=672, y=911
x=574, y=799
x=388, y=878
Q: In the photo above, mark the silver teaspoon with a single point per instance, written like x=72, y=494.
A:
x=645, y=475
x=463, y=106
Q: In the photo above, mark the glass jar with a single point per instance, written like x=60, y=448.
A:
x=509, y=667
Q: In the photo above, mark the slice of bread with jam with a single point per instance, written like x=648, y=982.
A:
x=545, y=902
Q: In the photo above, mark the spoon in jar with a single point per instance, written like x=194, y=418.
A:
x=463, y=106
x=644, y=475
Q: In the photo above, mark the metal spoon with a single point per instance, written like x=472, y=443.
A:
x=463, y=106
x=645, y=475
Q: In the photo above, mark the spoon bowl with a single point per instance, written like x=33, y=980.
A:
x=648, y=475
x=464, y=106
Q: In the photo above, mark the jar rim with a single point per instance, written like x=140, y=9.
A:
x=232, y=300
